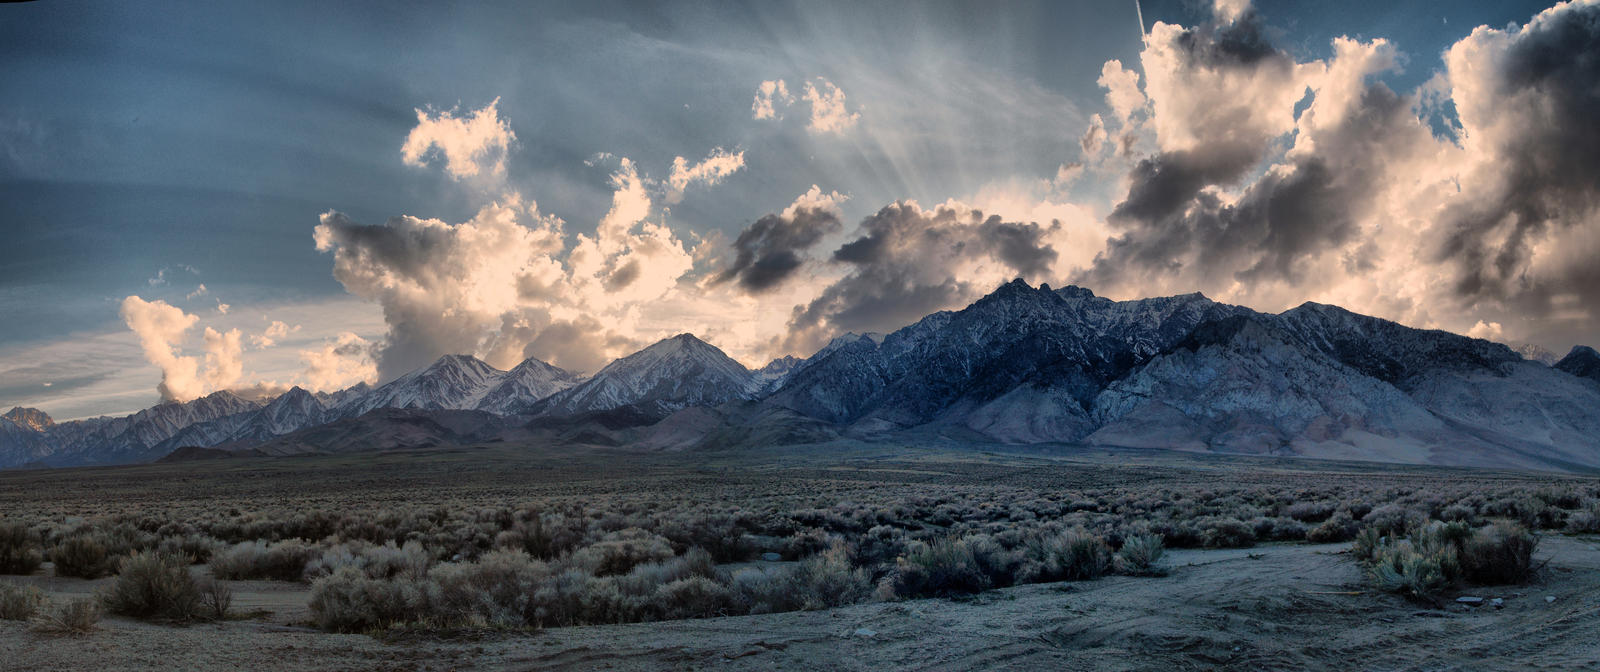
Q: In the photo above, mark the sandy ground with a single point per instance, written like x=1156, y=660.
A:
x=1267, y=608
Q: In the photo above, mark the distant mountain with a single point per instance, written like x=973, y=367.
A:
x=132, y=438
x=1022, y=365
x=1534, y=353
x=452, y=382
x=31, y=419
x=673, y=374
x=525, y=384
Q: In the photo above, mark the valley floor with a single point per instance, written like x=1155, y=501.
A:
x=1277, y=607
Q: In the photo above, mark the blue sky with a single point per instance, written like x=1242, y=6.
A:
x=146, y=150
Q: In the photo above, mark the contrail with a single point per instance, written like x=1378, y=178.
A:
x=1140, y=10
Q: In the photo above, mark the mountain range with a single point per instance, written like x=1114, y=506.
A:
x=1022, y=365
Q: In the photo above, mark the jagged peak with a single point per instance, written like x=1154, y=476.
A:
x=1072, y=292
x=31, y=418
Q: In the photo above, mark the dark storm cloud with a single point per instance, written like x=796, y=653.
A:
x=1240, y=43
x=907, y=263
x=771, y=249
x=1292, y=212
x=1548, y=163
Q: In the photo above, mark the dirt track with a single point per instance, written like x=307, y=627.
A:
x=1274, y=608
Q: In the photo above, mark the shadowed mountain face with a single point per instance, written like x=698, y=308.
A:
x=1022, y=365
x=1582, y=362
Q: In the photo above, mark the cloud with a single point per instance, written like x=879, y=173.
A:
x=775, y=246
x=224, y=358
x=717, y=165
x=1521, y=234
x=442, y=286
x=339, y=363
x=1093, y=138
x=907, y=262
x=160, y=328
x=1229, y=11
x=828, y=111
x=160, y=278
x=1357, y=200
x=771, y=95
x=198, y=291
x=1122, y=91
x=471, y=145
x=274, y=332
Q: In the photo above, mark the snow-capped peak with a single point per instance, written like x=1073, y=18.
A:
x=672, y=374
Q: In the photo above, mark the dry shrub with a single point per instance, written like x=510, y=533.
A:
x=19, y=602
x=945, y=567
x=1226, y=533
x=155, y=586
x=1139, y=555
x=619, y=552
x=1587, y=520
x=85, y=556
x=1438, y=555
x=496, y=591
x=79, y=616
x=19, y=549
x=378, y=562
x=1334, y=530
x=283, y=561
x=216, y=598
x=1498, y=554
x=694, y=597
x=350, y=601
x=1071, y=555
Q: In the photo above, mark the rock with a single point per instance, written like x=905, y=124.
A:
x=865, y=632
x=1464, y=599
x=771, y=557
x=1549, y=598
x=1497, y=603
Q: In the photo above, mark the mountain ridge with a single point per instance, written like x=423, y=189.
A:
x=1022, y=364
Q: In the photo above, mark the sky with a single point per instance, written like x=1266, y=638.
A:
x=197, y=197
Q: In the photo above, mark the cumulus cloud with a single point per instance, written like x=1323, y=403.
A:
x=1522, y=233
x=224, y=358
x=717, y=165
x=1122, y=91
x=274, y=332
x=829, y=113
x=443, y=286
x=771, y=96
x=339, y=363
x=471, y=145
x=161, y=329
